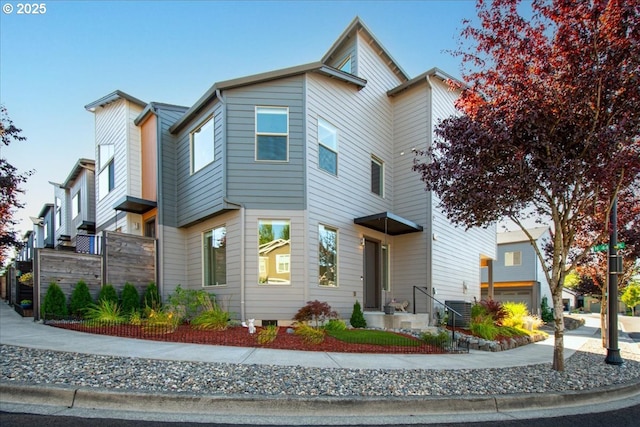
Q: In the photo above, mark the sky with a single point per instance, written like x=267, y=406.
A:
x=74, y=52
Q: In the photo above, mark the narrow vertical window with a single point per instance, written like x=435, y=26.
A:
x=215, y=257
x=386, y=282
x=327, y=256
x=274, y=252
x=327, y=147
x=106, y=176
x=272, y=133
x=75, y=205
x=377, y=176
x=202, y=141
x=58, y=212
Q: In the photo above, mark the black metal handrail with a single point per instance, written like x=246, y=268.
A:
x=426, y=292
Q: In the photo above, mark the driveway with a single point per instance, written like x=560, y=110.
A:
x=631, y=326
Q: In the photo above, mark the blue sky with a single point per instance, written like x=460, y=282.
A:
x=53, y=64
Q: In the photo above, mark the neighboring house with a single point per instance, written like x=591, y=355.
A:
x=43, y=227
x=518, y=275
x=118, y=163
x=305, y=172
x=75, y=206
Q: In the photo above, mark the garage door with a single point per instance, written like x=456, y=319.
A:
x=512, y=295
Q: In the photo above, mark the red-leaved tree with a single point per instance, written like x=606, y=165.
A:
x=549, y=124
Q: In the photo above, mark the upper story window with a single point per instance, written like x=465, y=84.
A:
x=202, y=142
x=345, y=65
x=377, y=176
x=274, y=252
x=512, y=258
x=215, y=256
x=327, y=256
x=272, y=133
x=327, y=147
x=58, y=212
x=106, y=176
x=75, y=205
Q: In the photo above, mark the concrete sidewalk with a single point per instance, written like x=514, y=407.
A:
x=24, y=332
x=91, y=402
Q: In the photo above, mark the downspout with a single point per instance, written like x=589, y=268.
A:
x=159, y=204
x=241, y=206
x=429, y=275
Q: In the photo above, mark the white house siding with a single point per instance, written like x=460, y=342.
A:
x=114, y=125
x=411, y=252
x=456, y=252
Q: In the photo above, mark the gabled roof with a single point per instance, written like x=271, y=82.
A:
x=434, y=72
x=358, y=26
x=80, y=165
x=213, y=92
x=113, y=96
x=153, y=107
x=46, y=207
x=519, y=236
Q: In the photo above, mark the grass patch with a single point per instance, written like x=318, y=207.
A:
x=375, y=337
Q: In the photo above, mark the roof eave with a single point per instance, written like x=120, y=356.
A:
x=111, y=97
x=433, y=72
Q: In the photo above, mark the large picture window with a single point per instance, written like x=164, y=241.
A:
x=215, y=257
x=274, y=252
x=202, y=145
x=327, y=256
x=327, y=147
x=272, y=133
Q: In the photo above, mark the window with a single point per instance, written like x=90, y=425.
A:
x=106, y=177
x=327, y=147
x=75, y=205
x=512, y=258
x=377, y=176
x=215, y=257
x=274, y=252
x=46, y=230
x=345, y=65
x=272, y=133
x=386, y=285
x=327, y=256
x=59, y=212
x=202, y=145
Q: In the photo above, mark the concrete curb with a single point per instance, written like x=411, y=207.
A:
x=88, y=398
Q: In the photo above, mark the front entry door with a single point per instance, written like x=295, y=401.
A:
x=372, y=282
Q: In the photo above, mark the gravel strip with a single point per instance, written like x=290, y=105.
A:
x=584, y=370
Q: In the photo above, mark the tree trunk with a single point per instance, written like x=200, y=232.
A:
x=558, y=316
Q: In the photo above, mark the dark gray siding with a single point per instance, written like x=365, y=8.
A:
x=167, y=188
x=265, y=185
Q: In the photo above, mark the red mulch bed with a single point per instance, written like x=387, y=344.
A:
x=240, y=337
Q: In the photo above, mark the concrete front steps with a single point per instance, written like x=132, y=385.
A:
x=399, y=320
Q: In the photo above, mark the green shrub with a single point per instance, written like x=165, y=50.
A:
x=546, y=312
x=357, y=317
x=161, y=321
x=484, y=327
x=442, y=338
x=151, y=297
x=108, y=293
x=334, y=325
x=215, y=319
x=190, y=303
x=268, y=334
x=55, y=303
x=309, y=334
x=130, y=299
x=80, y=299
x=315, y=311
x=478, y=310
x=106, y=312
x=516, y=313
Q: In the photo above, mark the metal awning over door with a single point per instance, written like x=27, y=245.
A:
x=388, y=223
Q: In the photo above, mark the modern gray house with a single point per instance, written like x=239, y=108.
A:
x=293, y=185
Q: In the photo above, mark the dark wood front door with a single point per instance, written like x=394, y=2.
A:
x=372, y=276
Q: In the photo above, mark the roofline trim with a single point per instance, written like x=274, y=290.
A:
x=111, y=97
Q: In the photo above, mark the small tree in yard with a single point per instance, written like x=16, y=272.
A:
x=55, y=303
x=80, y=299
x=549, y=124
x=357, y=316
x=631, y=296
x=130, y=299
x=108, y=293
x=315, y=311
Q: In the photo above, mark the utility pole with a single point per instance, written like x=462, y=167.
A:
x=613, y=352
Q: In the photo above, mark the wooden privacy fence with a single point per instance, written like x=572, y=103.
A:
x=123, y=258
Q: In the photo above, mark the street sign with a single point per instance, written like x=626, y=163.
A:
x=621, y=245
x=604, y=247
